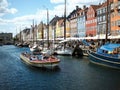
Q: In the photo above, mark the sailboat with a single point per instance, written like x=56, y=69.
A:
x=34, y=47
x=63, y=50
x=66, y=47
x=108, y=54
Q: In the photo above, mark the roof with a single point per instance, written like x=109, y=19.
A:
x=54, y=20
x=109, y=46
x=95, y=7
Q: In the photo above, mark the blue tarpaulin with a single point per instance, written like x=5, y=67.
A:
x=85, y=43
x=109, y=46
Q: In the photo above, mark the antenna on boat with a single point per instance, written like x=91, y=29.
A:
x=65, y=21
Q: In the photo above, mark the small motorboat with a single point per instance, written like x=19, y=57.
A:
x=40, y=60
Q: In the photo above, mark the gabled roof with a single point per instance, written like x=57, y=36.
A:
x=73, y=12
x=105, y=4
x=54, y=20
x=60, y=21
x=95, y=7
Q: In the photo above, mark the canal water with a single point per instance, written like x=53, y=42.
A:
x=72, y=74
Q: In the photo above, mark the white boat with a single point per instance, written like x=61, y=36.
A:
x=64, y=51
x=35, y=48
x=33, y=60
x=47, y=51
x=67, y=47
x=61, y=49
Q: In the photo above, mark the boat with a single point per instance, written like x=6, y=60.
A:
x=107, y=55
x=35, y=48
x=40, y=61
x=47, y=51
x=61, y=49
x=65, y=52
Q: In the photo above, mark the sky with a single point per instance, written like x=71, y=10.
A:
x=15, y=15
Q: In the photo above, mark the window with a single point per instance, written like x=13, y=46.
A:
x=103, y=10
x=100, y=18
x=98, y=12
x=118, y=22
x=103, y=18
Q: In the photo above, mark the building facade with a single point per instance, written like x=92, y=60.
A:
x=72, y=17
x=81, y=22
x=6, y=38
x=115, y=17
x=91, y=22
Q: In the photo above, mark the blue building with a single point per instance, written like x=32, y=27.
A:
x=81, y=22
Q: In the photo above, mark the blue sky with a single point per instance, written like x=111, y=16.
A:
x=18, y=14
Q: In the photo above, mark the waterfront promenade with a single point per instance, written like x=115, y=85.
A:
x=72, y=74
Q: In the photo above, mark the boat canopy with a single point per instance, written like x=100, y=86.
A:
x=109, y=47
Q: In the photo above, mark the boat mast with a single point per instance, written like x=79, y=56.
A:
x=36, y=30
x=20, y=35
x=65, y=21
x=33, y=30
x=48, y=27
x=106, y=38
x=42, y=33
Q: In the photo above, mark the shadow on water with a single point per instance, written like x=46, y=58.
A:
x=43, y=69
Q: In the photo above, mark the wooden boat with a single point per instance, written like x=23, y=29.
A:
x=37, y=61
x=107, y=55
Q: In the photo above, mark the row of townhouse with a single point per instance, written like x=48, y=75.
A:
x=82, y=22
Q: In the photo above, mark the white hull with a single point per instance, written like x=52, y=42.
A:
x=47, y=51
x=64, y=52
x=40, y=63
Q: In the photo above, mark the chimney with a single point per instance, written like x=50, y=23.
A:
x=84, y=7
x=77, y=7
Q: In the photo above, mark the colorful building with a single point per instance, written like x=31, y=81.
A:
x=59, y=29
x=72, y=18
x=91, y=22
x=81, y=22
x=115, y=17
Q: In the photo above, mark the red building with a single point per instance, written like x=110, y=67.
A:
x=91, y=21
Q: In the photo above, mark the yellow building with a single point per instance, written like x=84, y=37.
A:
x=59, y=28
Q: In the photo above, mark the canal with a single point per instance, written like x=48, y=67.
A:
x=72, y=74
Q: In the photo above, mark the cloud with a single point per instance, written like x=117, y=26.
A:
x=40, y=15
x=4, y=9
x=75, y=1
x=56, y=1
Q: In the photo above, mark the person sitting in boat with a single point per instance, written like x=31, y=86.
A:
x=45, y=56
x=33, y=58
x=42, y=57
x=52, y=57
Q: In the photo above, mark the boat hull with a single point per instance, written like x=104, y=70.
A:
x=64, y=52
x=40, y=63
x=104, y=60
